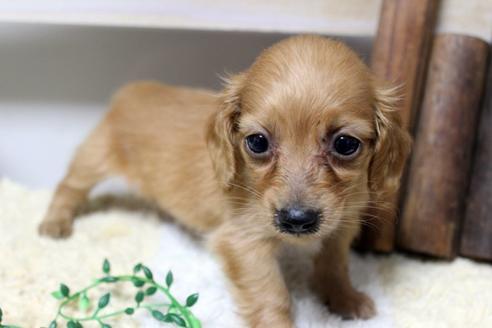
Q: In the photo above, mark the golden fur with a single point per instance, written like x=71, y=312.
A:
x=185, y=149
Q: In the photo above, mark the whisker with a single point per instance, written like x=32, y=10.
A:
x=248, y=189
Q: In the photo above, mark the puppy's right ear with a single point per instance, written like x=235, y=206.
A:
x=221, y=130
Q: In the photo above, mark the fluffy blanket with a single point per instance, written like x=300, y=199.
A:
x=408, y=292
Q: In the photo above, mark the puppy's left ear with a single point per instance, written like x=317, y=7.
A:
x=392, y=145
x=221, y=130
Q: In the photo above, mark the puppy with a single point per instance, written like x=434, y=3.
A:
x=291, y=151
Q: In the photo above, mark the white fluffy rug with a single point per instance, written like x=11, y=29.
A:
x=408, y=292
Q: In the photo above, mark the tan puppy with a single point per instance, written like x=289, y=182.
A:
x=292, y=151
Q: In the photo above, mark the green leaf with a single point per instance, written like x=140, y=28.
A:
x=129, y=311
x=78, y=325
x=104, y=301
x=169, y=279
x=109, y=279
x=84, y=302
x=177, y=319
x=151, y=291
x=194, y=322
x=147, y=273
x=64, y=290
x=105, y=325
x=158, y=315
x=191, y=300
x=71, y=324
x=139, y=297
x=137, y=268
x=1, y=315
x=58, y=295
x=137, y=282
x=106, y=266
x=53, y=324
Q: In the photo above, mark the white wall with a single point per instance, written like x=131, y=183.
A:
x=323, y=16
x=348, y=17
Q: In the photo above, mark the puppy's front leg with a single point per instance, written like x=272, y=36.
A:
x=332, y=282
x=257, y=283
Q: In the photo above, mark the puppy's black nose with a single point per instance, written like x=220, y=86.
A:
x=297, y=220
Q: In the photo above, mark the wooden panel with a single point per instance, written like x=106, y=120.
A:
x=476, y=239
x=440, y=166
x=400, y=55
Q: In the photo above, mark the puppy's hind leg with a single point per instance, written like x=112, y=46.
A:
x=91, y=164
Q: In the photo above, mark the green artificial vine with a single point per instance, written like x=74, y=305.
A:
x=142, y=279
x=5, y=326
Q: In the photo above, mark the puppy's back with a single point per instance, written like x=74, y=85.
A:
x=157, y=138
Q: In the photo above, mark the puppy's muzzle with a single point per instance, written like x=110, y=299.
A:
x=297, y=220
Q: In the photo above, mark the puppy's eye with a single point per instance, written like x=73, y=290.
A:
x=257, y=144
x=346, y=146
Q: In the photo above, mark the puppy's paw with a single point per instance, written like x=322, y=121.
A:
x=353, y=305
x=56, y=228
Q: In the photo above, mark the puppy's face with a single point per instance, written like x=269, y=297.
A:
x=305, y=138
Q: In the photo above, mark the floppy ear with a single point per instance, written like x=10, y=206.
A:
x=392, y=145
x=221, y=130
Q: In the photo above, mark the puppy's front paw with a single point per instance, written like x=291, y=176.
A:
x=352, y=305
x=56, y=228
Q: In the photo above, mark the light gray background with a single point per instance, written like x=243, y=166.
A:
x=55, y=82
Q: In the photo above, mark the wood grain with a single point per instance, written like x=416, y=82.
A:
x=440, y=167
x=476, y=237
x=400, y=55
